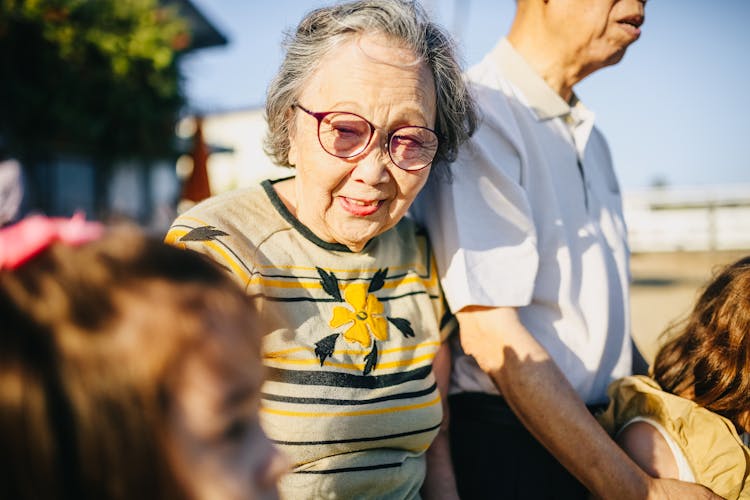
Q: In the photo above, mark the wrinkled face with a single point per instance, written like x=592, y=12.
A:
x=351, y=200
x=219, y=449
x=599, y=31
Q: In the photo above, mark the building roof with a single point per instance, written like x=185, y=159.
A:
x=203, y=33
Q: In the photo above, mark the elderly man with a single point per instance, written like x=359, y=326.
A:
x=531, y=247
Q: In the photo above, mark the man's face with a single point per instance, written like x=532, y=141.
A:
x=597, y=31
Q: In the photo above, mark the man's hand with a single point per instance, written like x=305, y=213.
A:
x=678, y=490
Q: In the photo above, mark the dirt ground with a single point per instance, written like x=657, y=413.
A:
x=665, y=287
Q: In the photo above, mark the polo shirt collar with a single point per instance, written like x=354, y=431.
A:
x=540, y=97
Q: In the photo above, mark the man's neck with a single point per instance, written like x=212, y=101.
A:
x=558, y=69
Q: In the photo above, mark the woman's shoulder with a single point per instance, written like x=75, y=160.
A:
x=230, y=204
x=230, y=228
x=244, y=211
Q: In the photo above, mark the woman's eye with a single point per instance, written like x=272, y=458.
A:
x=405, y=141
x=345, y=131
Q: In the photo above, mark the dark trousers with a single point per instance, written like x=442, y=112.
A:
x=494, y=456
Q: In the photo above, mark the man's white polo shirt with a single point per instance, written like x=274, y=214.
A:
x=533, y=219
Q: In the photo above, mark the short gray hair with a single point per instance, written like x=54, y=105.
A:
x=407, y=22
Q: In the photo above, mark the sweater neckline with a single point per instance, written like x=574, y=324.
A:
x=305, y=231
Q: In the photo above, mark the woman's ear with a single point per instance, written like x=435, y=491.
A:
x=293, y=155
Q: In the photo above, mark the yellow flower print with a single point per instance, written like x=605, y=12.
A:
x=367, y=316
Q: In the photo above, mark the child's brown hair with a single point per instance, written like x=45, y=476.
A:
x=708, y=361
x=91, y=342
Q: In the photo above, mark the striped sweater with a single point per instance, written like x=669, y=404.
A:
x=350, y=395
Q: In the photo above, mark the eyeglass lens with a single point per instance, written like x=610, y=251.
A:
x=346, y=135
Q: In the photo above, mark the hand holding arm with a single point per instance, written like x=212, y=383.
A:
x=532, y=384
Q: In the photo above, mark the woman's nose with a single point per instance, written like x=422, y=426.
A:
x=373, y=167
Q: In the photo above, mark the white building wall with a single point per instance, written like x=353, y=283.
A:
x=243, y=132
x=688, y=218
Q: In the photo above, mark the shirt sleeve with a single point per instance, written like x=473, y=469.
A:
x=683, y=467
x=481, y=224
x=203, y=233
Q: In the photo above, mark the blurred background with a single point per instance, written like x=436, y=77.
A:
x=133, y=109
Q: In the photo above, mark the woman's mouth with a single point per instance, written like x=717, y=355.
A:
x=360, y=208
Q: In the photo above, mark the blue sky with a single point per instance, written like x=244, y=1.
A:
x=676, y=108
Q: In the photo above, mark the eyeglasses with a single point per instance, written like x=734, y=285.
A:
x=345, y=135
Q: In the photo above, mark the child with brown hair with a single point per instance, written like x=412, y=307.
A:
x=128, y=369
x=691, y=419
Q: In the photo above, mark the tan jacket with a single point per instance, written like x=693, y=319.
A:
x=710, y=443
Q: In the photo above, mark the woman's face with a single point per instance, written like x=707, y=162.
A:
x=351, y=200
x=218, y=446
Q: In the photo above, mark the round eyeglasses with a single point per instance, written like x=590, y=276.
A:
x=345, y=135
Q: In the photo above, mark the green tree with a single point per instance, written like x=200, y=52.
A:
x=97, y=77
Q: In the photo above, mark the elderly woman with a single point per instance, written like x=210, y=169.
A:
x=368, y=101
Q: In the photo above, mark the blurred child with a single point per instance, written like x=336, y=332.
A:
x=691, y=420
x=128, y=369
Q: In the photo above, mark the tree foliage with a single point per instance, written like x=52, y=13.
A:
x=92, y=77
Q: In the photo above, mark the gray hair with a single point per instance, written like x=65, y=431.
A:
x=406, y=21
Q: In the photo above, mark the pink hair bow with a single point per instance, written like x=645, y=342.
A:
x=23, y=240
